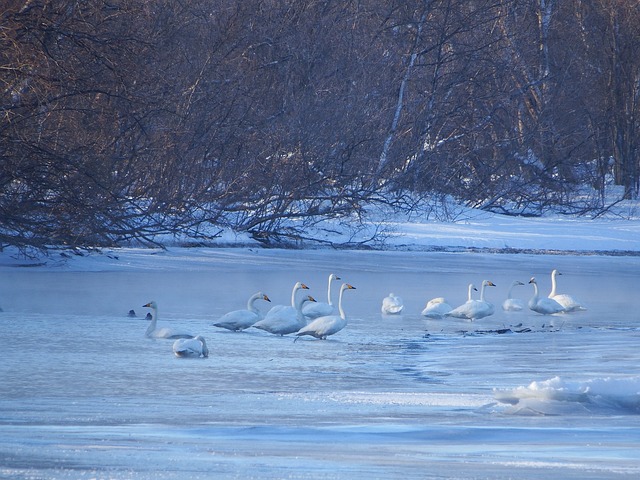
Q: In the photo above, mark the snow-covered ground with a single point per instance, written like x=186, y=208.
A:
x=514, y=395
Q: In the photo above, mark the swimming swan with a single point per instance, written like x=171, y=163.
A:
x=392, y=304
x=322, y=327
x=320, y=309
x=513, y=304
x=436, y=308
x=153, y=332
x=543, y=305
x=238, y=320
x=284, y=319
x=191, y=347
x=569, y=303
x=474, y=309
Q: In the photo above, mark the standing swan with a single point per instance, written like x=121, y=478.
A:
x=458, y=311
x=392, y=304
x=513, y=304
x=238, y=320
x=474, y=309
x=544, y=305
x=322, y=327
x=191, y=347
x=283, y=319
x=320, y=309
x=567, y=301
x=153, y=332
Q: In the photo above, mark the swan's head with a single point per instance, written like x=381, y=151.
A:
x=265, y=298
x=309, y=298
x=151, y=304
x=533, y=280
x=333, y=276
x=555, y=272
x=516, y=283
x=488, y=283
x=346, y=286
x=472, y=287
x=301, y=285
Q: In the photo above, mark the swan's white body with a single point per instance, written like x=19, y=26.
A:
x=436, y=308
x=513, y=304
x=285, y=319
x=322, y=327
x=392, y=304
x=242, y=319
x=313, y=310
x=543, y=305
x=458, y=312
x=474, y=309
x=569, y=303
x=191, y=347
x=154, y=332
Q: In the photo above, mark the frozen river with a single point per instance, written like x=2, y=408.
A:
x=516, y=395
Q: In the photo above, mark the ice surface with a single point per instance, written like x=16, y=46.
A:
x=514, y=395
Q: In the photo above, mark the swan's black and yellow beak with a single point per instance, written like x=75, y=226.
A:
x=264, y=297
x=491, y=284
x=304, y=286
x=350, y=287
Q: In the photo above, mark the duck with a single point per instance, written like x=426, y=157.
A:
x=322, y=327
x=474, y=309
x=513, y=304
x=285, y=319
x=313, y=310
x=569, y=303
x=392, y=304
x=191, y=347
x=239, y=320
x=436, y=308
x=543, y=305
x=164, y=332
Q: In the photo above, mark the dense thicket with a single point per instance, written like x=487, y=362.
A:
x=121, y=120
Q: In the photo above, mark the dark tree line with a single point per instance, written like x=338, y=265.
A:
x=123, y=120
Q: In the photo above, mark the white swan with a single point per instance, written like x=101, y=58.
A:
x=242, y=319
x=543, y=305
x=322, y=327
x=320, y=309
x=154, y=332
x=457, y=312
x=474, y=309
x=569, y=303
x=284, y=319
x=513, y=304
x=392, y=304
x=436, y=308
x=191, y=347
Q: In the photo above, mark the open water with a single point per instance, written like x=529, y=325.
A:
x=83, y=394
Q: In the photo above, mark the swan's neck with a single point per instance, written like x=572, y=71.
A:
x=470, y=290
x=329, y=290
x=535, y=290
x=342, y=314
x=553, y=284
x=251, y=303
x=510, y=291
x=482, y=291
x=154, y=321
x=298, y=305
x=293, y=296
